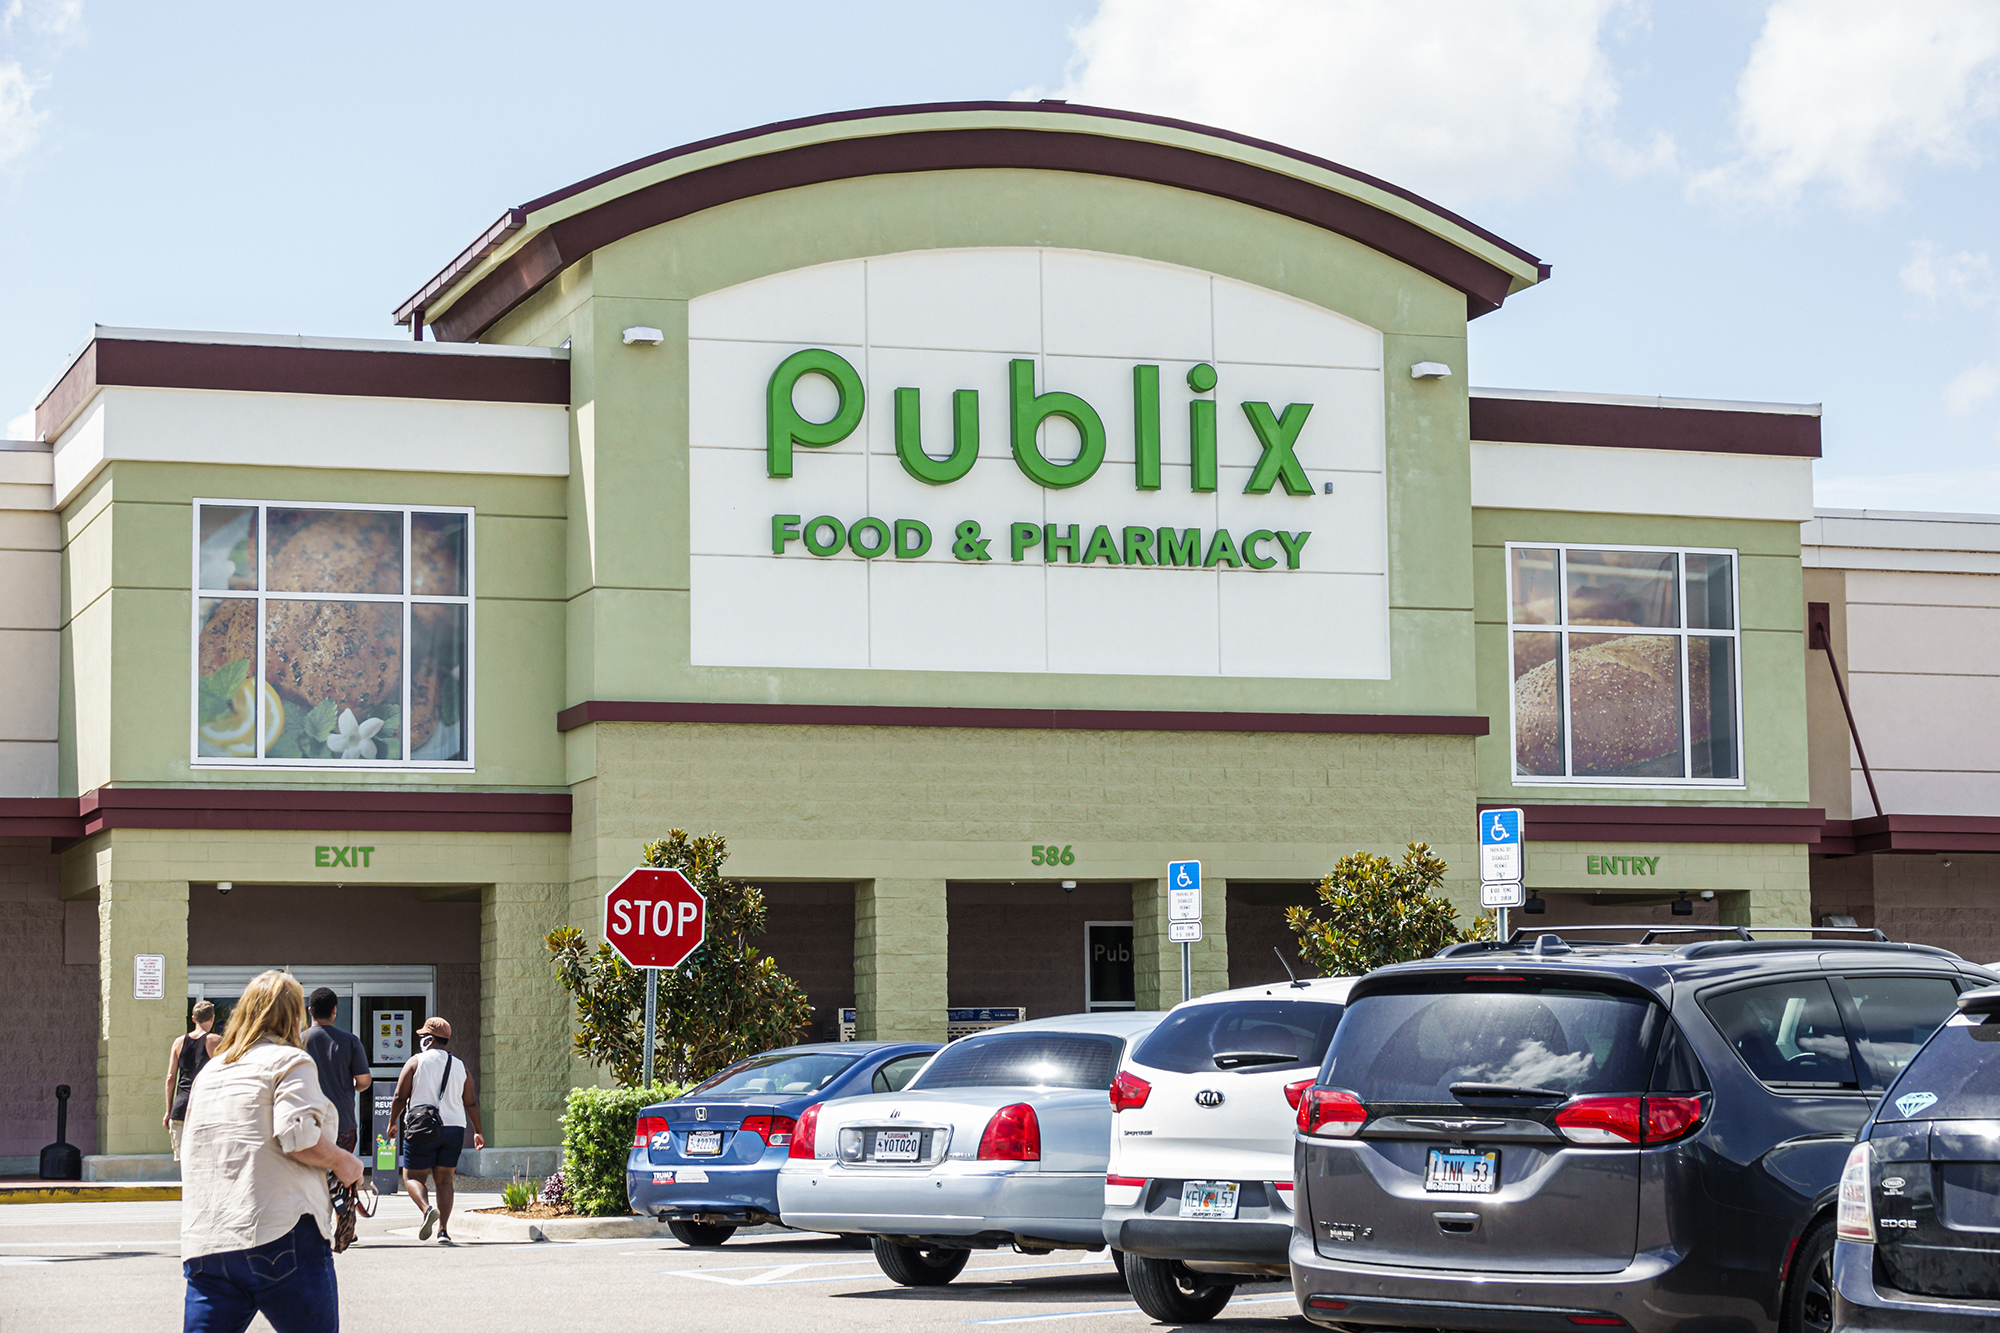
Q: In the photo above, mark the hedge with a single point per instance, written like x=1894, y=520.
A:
x=597, y=1142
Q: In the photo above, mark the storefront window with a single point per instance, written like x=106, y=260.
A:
x=1624, y=665
x=332, y=636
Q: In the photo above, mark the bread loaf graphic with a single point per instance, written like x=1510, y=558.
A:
x=1625, y=707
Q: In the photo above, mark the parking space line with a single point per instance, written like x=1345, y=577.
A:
x=1118, y=1309
x=775, y=1280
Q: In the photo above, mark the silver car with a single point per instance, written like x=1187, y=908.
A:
x=1001, y=1139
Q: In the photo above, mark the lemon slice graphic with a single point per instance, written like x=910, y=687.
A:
x=235, y=732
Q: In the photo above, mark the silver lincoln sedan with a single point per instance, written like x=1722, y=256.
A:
x=1002, y=1139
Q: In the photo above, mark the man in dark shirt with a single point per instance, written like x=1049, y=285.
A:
x=343, y=1066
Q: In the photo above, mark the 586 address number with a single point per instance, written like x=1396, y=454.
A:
x=1051, y=855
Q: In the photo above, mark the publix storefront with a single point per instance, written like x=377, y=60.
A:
x=965, y=509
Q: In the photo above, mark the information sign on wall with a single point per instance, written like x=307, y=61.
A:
x=1027, y=460
x=149, y=976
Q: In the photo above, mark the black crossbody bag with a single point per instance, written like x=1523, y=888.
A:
x=423, y=1123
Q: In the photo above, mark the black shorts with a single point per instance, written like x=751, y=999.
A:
x=443, y=1153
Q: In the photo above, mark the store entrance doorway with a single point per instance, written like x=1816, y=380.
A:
x=384, y=1006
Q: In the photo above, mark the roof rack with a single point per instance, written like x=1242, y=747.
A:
x=1745, y=933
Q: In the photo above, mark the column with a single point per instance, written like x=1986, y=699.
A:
x=524, y=1016
x=137, y=917
x=900, y=983
x=1156, y=960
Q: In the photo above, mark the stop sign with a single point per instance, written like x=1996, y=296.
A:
x=655, y=918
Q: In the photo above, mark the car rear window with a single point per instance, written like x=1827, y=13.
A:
x=1240, y=1035
x=1955, y=1077
x=781, y=1074
x=1024, y=1060
x=1412, y=1046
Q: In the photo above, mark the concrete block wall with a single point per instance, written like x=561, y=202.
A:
x=524, y=1015
x=137, y=916
x=1947, y=901
x=900, y=967
x=30, y=619
x=48, y=1000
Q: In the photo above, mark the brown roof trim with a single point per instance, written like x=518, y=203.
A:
x=1667, y=823
x=1627, y=426
x=262, y=368
x=1915, y=834
x=1030, y=719
x=412, y=809
x=1057, y=148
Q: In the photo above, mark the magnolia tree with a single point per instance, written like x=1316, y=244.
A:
x=728, y=1000
x=1373, y=911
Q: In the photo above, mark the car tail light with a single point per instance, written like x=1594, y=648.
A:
x=1611, y=1120
x=1132, y=1182
x=1331, y=1113
x=1294, y=1091
x=1670, y=1118
x=803, y=1132
x=1012, y=1135
x=775, y=1130
x=1129, y=1092
x=649, y=1125
x=1629, y=1121
x=1855, y=1217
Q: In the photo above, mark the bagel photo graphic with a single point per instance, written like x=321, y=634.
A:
x=333, y=678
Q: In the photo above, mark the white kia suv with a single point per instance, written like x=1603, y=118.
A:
x=1198, y=1191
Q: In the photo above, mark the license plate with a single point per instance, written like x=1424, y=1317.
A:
x=1211, y=1200
x=896, y=1145
x=704, y=1142
x=1455, y=1171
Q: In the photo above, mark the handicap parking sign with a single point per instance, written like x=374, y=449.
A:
x=1500, y=859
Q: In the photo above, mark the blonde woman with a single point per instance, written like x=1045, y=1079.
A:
x=256, y=1215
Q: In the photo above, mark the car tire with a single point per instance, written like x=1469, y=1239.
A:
x=1809, y=1295
x=919, y=1265
x=1173, y=1293
x=700, y=1235
x=1118, y=1262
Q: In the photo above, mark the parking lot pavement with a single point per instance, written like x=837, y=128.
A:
x=106, y=1266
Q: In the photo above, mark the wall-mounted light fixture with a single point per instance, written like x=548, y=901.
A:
x=1682, y=907
x=223, y=886
x=639, y=333
x=1429, y=370
x=1536, y=904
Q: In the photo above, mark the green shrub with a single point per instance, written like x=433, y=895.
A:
x=518, y=1193
x=597, y=1141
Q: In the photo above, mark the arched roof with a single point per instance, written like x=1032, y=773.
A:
x=531, y=244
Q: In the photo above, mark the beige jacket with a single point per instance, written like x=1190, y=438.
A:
x=238, y=1188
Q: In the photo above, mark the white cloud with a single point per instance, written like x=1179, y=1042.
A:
x=1454, y=99
x=1972, y=388
x=51, y=18
x=20, y=123
x=1847, y=93
x=21, y=427
x=1964, y=277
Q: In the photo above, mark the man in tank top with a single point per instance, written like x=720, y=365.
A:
x=184, y=1061
x=436, y=1077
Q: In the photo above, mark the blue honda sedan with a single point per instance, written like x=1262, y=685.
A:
x=707, y=1162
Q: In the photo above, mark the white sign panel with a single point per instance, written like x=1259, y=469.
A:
x=1184, y=932
x=149, y=976
x=1494, y=894
x=1028, y=460
x=392, y=1036
x=1500, y=843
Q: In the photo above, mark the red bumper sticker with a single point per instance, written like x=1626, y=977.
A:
x=663, y=1177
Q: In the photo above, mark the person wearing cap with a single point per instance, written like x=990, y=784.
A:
x=436, y=1077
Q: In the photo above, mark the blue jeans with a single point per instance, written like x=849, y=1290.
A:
x=289, y=1280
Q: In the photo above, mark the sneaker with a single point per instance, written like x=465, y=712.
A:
x=444, y=1238
x=430, y=1225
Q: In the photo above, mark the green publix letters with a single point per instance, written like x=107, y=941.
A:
x=909, y=539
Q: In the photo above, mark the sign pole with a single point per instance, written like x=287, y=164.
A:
x=1500, y=923
x=652, y=1004
x=1187, y=972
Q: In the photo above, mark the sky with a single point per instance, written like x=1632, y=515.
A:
x=1772, y=200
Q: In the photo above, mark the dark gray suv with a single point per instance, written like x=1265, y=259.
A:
x=1549, y=1135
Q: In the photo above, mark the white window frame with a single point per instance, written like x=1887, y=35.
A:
x=262, y=596
x=1564, y=629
